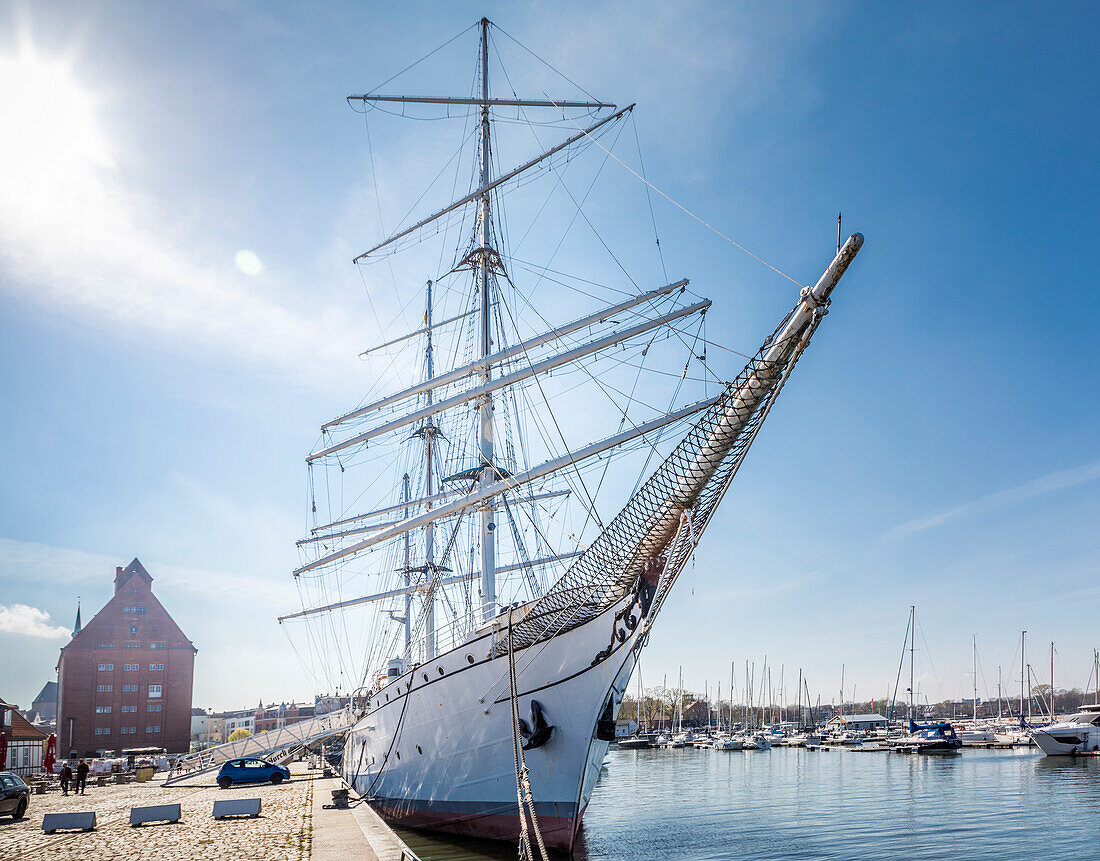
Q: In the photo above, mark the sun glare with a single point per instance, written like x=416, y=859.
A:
x=51, y=140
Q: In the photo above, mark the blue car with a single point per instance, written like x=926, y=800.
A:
x=251, y=771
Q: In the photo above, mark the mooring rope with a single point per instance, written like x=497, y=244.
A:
x=524, y=796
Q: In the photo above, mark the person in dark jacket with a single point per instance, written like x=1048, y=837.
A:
x=81, y=776
x=65, y=775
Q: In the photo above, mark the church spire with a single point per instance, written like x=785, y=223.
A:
x=77, y=626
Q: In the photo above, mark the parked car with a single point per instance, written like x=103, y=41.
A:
x=251, y=771
x=14, y=795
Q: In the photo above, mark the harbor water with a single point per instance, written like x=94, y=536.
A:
x=835, y=804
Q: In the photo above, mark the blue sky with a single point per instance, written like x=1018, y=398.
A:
x=937, y=446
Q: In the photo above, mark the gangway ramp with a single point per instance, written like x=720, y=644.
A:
x=276, y=745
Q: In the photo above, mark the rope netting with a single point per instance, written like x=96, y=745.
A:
x=665, y=518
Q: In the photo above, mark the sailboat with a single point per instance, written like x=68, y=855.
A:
x=490, y=692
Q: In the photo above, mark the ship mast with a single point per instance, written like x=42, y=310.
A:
x=408, y=568
x=485, y=411
x=430, y=431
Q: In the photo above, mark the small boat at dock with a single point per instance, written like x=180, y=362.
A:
x=929, y=738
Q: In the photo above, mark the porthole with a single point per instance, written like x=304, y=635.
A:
x=387, y=697
x=469, y=659
x=440, y=670
x=425, y=677
x=399, y=754
x=420, y=750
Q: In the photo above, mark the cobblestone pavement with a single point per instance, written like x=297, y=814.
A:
x=284, y=829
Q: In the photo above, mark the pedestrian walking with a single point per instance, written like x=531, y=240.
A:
x=81, y=776
x=65, y=775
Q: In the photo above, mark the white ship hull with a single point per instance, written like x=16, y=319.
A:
x=439, y=755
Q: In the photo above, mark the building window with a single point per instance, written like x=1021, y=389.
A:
x=106, y=667
x=129, y=729
x=152, y=728
x=133, y=629
x=128, y=709
x=102, y=710
x=156, y=667
x=153, y=708
x=102, y=730
x=105, y=646
x=103, y=689
x=156, y=645
x=153, y=628
x=126, y=689
x=154, y=690
x=133, y=645
x=110, y=627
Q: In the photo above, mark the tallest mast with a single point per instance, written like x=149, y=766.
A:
x=485, y=412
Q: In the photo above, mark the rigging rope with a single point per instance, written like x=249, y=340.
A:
x=523, y=781
x=649, y=184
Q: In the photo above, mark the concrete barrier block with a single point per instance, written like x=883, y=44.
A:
x=237, y=807
x=154, y=813
x=52, y=822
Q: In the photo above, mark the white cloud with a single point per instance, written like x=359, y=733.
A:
x=25, y=562
x=27, y=621
x=1047, y=484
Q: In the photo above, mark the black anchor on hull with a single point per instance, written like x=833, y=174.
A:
x=542, y=731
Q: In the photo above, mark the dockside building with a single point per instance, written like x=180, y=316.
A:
x=125, y=678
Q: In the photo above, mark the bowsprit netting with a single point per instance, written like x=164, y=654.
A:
x=667, y=515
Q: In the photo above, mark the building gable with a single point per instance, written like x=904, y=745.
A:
x=134, y=569
x=133, y=600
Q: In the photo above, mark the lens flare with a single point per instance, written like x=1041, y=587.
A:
x=248, y=262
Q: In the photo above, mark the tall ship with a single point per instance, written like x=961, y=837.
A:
x=460, y=563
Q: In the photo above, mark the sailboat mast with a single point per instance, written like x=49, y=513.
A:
x=800, y=698
x=680, y=700
x=732, y=686
x=485, y=411
x=975, y=700
x=1022, y=672
x=912, y=646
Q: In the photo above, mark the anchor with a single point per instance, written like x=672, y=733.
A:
x=542, y=732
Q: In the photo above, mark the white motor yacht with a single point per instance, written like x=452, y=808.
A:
x=1079, y=733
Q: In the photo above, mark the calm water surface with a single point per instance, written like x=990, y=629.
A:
x=794, y=803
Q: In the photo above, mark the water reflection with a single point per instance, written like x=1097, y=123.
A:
x=793, y=803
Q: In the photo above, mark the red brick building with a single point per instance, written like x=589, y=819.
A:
x=124, y=680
